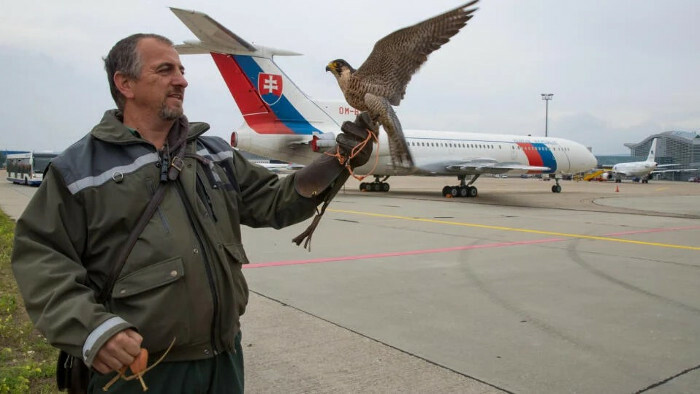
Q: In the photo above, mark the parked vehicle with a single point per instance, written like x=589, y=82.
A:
x=28, y=168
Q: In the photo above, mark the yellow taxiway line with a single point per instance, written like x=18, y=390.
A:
x=520, y=230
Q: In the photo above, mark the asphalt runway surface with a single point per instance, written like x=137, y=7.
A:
x=592, y=290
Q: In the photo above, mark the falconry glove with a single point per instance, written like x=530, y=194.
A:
x=355, y=134
x=353, y=145
x=326, y=175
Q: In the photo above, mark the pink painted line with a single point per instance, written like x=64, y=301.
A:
x=444, y=250
x=397, y=254
x=654, y=230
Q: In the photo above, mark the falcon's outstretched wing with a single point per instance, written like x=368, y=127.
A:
x=396, y=57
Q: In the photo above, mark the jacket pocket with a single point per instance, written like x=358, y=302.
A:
x=154, y=299
x=235, y=253
x=236, y=258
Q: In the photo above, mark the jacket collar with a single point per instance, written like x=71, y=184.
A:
x=112, y=130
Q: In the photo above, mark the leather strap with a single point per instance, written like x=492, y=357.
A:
x=173, y=171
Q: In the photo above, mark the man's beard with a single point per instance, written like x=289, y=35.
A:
x=167, y=113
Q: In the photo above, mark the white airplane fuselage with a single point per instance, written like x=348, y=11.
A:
x=435, y=152
x=640, y=168
x=281, y=122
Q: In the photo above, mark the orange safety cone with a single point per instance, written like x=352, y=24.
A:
x=617, y=189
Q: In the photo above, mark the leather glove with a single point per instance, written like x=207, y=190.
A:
x=313, y=179
x=353, y=135
x=326, y=175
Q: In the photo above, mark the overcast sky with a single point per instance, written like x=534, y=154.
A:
x=619, y=70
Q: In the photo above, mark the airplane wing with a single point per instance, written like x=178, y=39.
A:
x=214, y=37
x=674, y=170
x=189, y=49
x=211, y=34
x=625, y=173
x=490, y=166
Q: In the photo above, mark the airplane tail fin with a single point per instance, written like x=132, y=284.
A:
x=268, y=100
x=652, y=151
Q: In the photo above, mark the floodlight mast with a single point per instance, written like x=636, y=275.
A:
x=546, y=97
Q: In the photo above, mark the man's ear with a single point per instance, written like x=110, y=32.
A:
x=123, y=84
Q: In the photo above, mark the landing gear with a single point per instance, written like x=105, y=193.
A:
x=376, y=186
x=464, y=189
x=556, y=188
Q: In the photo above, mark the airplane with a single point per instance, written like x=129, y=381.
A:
x=640, y=169
x=274, y=167
x=281, y=122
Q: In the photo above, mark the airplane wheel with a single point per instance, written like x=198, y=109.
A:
x=445, y=191
x=385, y=187
x=454, y=191
x=556, y=189
x=472, y=192
x=464, y=191
x=363, y=186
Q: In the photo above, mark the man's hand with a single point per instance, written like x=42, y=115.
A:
x=354, y=134
x=119, y=351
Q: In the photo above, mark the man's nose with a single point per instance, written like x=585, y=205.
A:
x=180, y=80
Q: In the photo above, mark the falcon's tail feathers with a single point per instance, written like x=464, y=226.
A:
x=381, y=110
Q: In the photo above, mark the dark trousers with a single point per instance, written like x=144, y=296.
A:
x=220, y=374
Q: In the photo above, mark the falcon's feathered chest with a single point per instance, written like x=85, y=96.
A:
x=353, y=89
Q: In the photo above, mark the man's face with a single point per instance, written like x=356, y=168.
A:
x=161, y=86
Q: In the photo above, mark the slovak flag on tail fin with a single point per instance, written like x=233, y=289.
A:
x=268, y=100
x=270, y=88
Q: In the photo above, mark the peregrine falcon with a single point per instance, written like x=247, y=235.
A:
x=381, y=80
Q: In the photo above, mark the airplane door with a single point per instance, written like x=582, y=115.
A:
x=563, y=160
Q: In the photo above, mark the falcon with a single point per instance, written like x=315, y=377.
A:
x=381, y=80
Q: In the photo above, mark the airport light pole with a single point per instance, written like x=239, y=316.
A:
x=546, y=97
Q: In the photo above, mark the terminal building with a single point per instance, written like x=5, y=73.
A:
x=673, y=147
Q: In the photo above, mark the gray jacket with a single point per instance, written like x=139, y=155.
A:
x=183, y=278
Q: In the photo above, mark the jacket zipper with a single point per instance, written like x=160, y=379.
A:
x=161, y=215
x=206, y=199
x=207, y=265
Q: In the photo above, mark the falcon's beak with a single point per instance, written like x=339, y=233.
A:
x=330, y=67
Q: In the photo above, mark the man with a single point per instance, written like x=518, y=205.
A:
x=182, y=280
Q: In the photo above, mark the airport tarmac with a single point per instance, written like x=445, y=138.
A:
x=519, y=290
